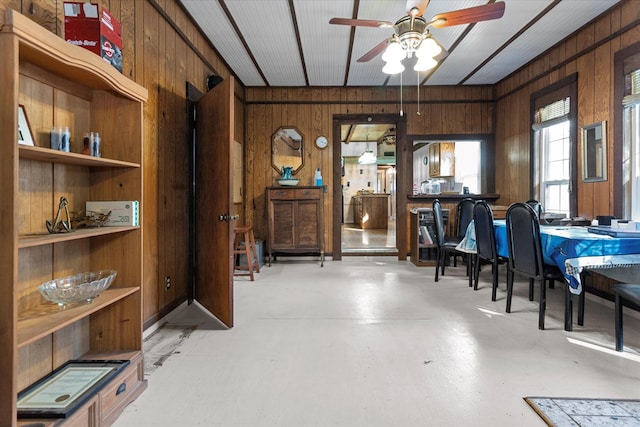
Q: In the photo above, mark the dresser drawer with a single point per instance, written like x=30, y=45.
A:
x=308, y=193
x=121, y=391
x=282, y=194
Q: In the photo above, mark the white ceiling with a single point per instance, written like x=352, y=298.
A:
x=258, y=39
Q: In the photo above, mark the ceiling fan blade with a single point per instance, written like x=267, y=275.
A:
x=377, y=50
x=468, y=16
x=421, y=5
x=361, y=22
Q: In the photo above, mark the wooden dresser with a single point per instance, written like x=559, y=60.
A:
x=295, y=221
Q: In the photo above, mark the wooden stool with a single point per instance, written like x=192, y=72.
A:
x=628, y=294
x=245, y=244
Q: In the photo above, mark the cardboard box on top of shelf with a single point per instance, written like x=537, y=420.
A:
x=86, y=26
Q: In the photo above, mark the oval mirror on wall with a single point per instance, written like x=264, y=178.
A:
x=287, y=149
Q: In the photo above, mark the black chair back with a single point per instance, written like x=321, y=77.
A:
x=438, y=222
x=523, y=236
x=464, y=215
x=485, y=235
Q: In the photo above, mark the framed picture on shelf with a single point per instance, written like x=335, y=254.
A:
x=67, y=388
x=25, y=136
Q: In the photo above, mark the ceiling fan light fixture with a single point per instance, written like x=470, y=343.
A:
x=394, y=52
x=428, y=48
x=425, y=63
x=393, y=67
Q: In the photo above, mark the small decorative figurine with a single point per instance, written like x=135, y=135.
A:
x=59, y=226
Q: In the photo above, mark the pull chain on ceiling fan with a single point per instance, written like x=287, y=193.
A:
x=412, y=37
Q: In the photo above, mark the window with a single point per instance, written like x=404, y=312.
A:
x=553, y=157
x=554, y=168
x=631, y=146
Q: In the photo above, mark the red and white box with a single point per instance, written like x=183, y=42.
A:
x=99, y=32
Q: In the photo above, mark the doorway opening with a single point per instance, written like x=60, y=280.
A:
x=368, y=183
x=368, y=171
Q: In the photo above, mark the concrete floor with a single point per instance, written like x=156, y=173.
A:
x=371, y=341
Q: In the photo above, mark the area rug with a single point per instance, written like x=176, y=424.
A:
x=567, y=411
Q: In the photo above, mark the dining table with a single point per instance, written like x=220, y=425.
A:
x=576, y=248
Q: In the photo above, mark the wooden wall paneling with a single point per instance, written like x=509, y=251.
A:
x=603, y=99
x=176, y=154
x=150, y=71
x=165, y=173
x=41, y=11
x=523, y=129
x=10, y=4
x=630, y=12
x=510, y=161
x=327, y=130
x=631, y=36
x=126, y=13
x=181, y=282
x=586, y=116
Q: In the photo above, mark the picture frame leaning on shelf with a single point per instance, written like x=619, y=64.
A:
x=25, y=136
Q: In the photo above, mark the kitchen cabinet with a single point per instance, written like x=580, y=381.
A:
x=295, y=221
x=64, y=85
x=442, y=159
x=371, y=210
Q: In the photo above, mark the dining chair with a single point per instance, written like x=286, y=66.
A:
x=464, y=216
x=444, y=244
x=525, y=255
x=485, y=245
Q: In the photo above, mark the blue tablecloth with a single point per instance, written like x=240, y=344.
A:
x=568, y=247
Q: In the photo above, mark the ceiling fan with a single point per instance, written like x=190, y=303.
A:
x=411, y=33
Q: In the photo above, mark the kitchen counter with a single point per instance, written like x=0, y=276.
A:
x=443, y=197
x=371, y=210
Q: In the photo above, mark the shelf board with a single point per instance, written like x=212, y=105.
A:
x=38, y=323
x=27, y=241
x=48, y=155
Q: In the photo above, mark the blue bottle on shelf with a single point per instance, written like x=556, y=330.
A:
x=318, y=178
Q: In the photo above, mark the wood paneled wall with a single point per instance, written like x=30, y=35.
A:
x=443, y=110
x=589, y=53
x=162, y=50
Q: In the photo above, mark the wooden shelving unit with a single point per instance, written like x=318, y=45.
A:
x=64, y=85
x=423, y=253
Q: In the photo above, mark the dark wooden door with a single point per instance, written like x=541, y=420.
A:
x=214, y=201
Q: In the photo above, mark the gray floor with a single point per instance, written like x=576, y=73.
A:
x=370, y=341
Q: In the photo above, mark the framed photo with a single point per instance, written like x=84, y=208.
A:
x=25, y=136
x=66, y=389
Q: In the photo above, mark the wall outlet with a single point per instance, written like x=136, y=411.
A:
x=167, y=282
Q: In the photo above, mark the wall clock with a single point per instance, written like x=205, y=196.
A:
x=322, y=142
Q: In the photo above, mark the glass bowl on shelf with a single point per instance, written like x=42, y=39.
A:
x=76, y=289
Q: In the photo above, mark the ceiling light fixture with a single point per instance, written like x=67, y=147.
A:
x=367, y=157
x=411, y=37
x=406, y=45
